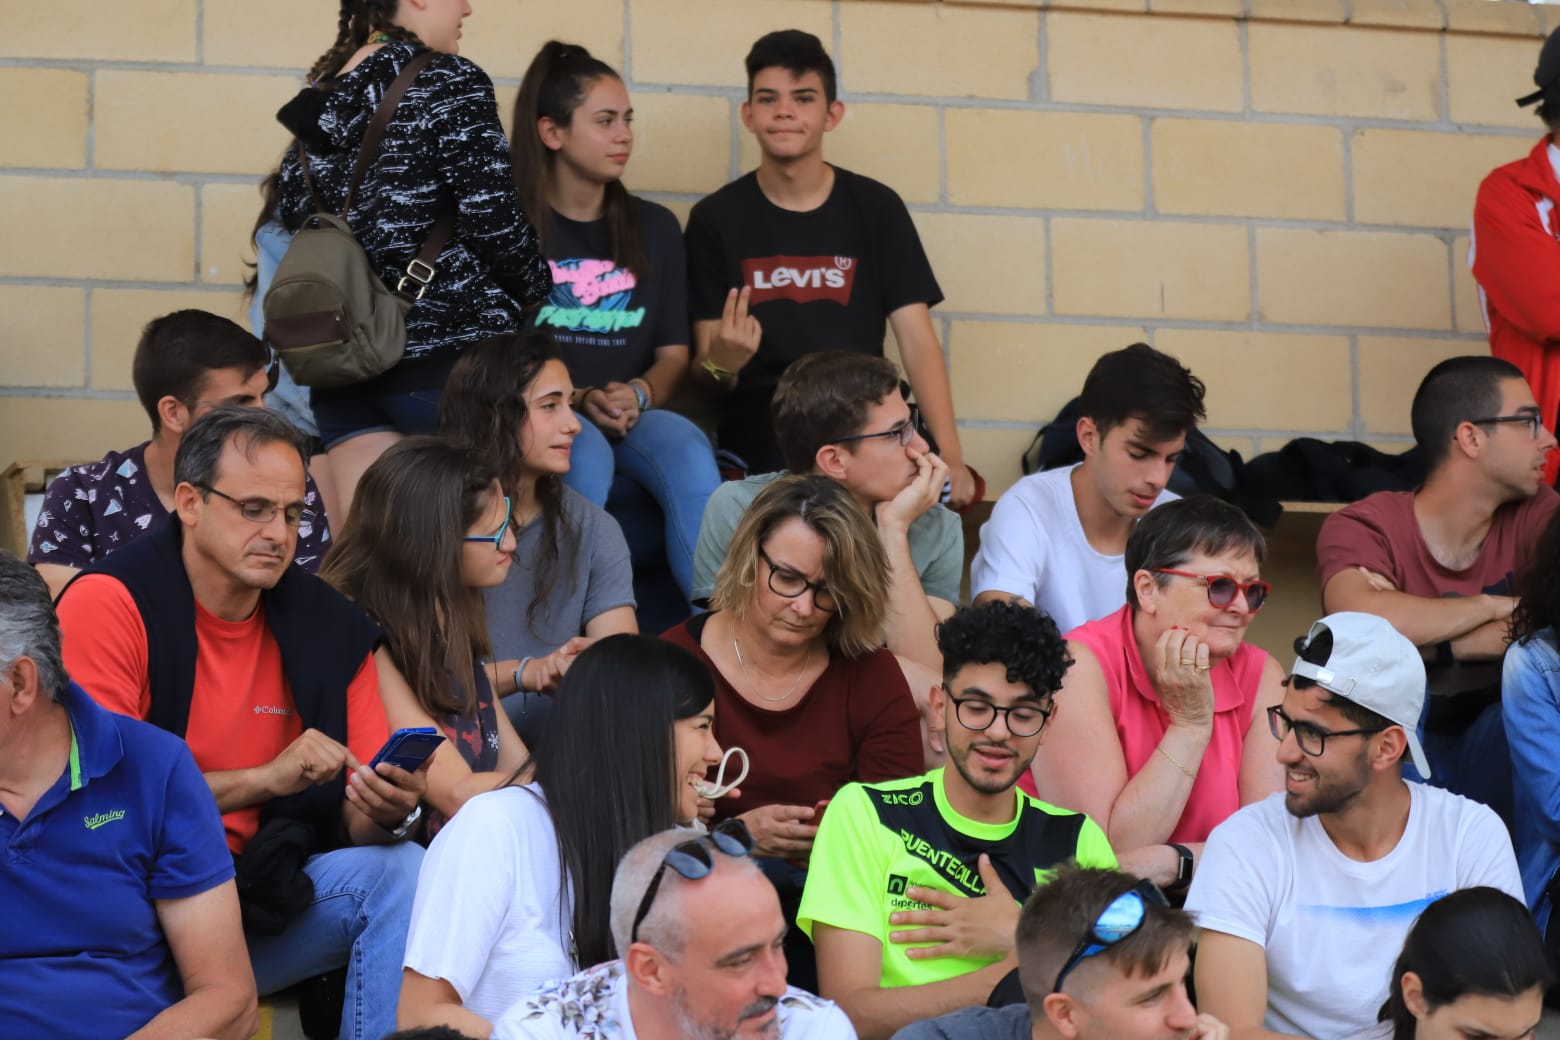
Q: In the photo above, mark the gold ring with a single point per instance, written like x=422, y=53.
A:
x=1185, y=663
x=1203, y=667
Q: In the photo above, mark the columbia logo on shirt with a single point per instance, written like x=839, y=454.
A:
x=267, y=709
x=803, y=279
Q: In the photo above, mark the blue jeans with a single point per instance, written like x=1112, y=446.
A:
x=362, y=908
x=654, y=482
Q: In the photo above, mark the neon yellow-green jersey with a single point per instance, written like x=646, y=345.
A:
x=877, y=840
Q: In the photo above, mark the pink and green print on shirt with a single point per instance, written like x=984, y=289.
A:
x=877, y=841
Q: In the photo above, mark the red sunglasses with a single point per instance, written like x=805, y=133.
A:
x=1222, y=588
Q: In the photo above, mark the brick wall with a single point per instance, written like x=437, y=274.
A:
x=1277, y=191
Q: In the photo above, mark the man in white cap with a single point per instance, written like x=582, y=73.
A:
x=1304, y=898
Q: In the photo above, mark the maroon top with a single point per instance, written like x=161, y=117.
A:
x=857, y=722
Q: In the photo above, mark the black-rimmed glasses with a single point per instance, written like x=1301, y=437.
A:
x=786, y=582
x=1312, y=739
x=976, y=713
x=263, y=510
x=1222, y=588
x=1532, y=419
x=692, y=860
x=497, y=537
x=1122, y=918
x=904, y=432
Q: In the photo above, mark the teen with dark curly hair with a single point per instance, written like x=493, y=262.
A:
x=913, y=894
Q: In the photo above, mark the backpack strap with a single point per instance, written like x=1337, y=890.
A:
x=376, y=126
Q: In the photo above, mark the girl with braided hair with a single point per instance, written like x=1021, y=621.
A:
x=444, y=150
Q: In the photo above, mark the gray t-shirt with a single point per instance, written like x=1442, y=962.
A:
x=602, y=578
x=936, y=540
x=977, y=1023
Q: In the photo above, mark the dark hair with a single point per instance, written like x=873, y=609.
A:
x=1023, y=639
x=1537, y=591
x=825, y=396
x=201, y=447
x=1172, y=533
x=28, y=625
x=1139, y=382
x=1455, y=391
x=1317, y=651
x=795, y=51
x=399, y=557
x=178, y=351
x=356, y=21
x=428, y=1033
x=483, y=408
x=1064, y=910
x=1477, y=941
x=554, y=87
x=607, y=767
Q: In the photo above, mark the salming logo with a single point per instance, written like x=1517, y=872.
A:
x=97, y=820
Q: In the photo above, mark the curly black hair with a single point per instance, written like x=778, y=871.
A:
x=1024, y=639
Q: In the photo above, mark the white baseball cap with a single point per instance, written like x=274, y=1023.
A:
x=1364, y=660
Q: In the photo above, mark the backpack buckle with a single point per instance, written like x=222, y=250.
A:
x=418, y=271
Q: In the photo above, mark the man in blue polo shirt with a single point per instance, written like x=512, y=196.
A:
x=122, y=916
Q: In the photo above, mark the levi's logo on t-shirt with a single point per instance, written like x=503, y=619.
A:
x=804, y=279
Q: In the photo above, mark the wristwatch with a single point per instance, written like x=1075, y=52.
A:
x=640, y=396
x=719, y=374
x=1183, y=870
x=408, y=823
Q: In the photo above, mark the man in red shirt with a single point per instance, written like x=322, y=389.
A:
x=1515, y=252
x=204, y=628
x=1438, y=562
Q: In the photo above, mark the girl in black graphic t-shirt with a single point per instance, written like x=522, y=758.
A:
x=618, y=307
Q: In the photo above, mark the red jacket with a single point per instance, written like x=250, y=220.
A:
x=1516, y=261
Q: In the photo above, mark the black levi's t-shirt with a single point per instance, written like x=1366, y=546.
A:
x=606, y=320
x=826, y=279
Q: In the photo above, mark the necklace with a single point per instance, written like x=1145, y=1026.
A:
x=754, y=683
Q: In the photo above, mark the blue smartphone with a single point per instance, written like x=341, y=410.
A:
x=409, y=748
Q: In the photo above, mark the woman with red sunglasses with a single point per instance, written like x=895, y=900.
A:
x=1160, y=728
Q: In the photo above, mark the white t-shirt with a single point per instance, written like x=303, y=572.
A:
x=1332, y=927
x=1034, y=547
x=593, y=1005
x=488, y=917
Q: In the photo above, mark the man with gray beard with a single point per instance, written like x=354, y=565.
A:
x=702, y=942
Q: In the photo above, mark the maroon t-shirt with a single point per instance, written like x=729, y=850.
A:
x=857, y=722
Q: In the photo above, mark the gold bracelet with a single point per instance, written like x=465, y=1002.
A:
x=1184, y=771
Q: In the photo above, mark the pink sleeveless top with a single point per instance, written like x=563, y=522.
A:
x=1141, y=721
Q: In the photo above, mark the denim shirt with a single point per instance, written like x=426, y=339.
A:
x=1530, y=706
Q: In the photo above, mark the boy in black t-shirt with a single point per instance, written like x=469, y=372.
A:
x=800, y=256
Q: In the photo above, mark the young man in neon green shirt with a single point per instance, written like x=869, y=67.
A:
x=914, y=886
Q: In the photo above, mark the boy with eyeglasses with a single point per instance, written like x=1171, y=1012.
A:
x=914, y=888
x=1101, y=956
x=1305, y=897
x=701, y=939
x=186, y=364
x=1438, y=562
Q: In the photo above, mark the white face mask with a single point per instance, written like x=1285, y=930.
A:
x=719, y=788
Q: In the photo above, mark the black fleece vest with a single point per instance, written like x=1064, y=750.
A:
x=323, y=638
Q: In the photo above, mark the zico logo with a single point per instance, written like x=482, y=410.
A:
x=912, y=799
x=804, y=279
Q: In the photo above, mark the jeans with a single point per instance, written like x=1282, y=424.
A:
x=654, y=482
x=362, y=908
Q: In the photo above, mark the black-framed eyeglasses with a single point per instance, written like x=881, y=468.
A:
x=904, y=432
x=692, y=860
x=1312, y=739
x=1222, y=588
x=1122, y=918
x=976, y=713
x=497, y=537
x=263, y=510
x=785, y=582
x=1533, y=420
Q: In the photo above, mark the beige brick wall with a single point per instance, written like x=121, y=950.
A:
x=1277, y=191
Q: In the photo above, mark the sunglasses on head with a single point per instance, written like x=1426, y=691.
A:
x=1222, y=588
x=693, y=860
x=1123, y=917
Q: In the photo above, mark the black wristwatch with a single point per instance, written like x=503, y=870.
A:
x=1183, y=870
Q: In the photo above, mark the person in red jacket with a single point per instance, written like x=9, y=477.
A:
x=1515, y=253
